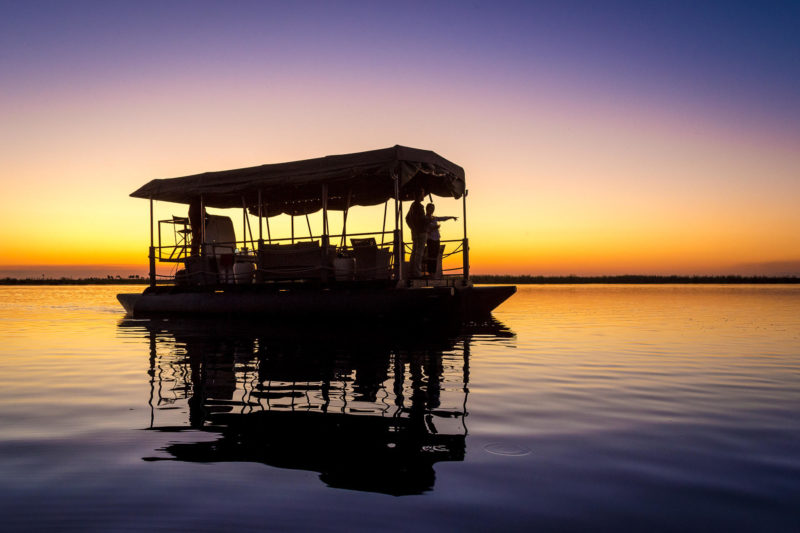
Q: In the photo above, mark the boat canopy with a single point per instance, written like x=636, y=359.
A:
x=296, y=188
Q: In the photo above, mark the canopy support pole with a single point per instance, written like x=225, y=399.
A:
x=325, y=238
x=383, y=229
x=465, y=256
x=247, y=227
x=398, y=230
x=269, y=234
x=202, y=227
x=260, y=221
x=310, y=233
x=244, y=223
x=292, y=215
x=152, y=255
x=344, y=220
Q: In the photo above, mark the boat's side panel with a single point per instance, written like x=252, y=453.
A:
x=410, y=303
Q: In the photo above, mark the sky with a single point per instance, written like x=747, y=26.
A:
x=598, y=138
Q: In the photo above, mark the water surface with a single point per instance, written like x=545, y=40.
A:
x=603, y=407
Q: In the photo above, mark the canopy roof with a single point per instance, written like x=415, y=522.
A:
x=363, y=178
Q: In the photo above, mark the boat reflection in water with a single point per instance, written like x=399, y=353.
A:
x=370, y=411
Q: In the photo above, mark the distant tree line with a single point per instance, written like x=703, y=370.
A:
x=133, y=279
x=480, y=278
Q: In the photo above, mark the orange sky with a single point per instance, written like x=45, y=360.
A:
x=571, y=169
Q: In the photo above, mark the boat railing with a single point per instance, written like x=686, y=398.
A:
x=350, y=256
x=450, y=260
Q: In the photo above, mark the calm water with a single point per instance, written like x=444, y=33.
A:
x=586, y=407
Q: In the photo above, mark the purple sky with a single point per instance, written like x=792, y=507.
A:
x=601, y=122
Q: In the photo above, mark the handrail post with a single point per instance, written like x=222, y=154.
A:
x=159, y=239
x=152, y=254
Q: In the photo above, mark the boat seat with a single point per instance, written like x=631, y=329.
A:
x=372, y=262
x=199, y=271
x=300, y=260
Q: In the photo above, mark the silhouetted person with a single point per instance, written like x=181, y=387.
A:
x=433, y=237
x=196, y=216
x=418, y=223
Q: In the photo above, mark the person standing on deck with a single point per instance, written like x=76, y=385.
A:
x=433, y=238
x=418, y=223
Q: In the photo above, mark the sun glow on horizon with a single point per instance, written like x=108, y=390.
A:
x=588, y=148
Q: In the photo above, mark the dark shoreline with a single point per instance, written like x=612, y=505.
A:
x=73, y=281
x=481, y=279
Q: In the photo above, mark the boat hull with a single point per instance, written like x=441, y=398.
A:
x=408, y=303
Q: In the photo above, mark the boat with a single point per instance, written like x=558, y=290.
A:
x=316, y=275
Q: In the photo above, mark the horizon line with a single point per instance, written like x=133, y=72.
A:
x=524, y=279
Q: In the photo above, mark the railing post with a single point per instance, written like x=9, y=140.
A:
x=466, y=260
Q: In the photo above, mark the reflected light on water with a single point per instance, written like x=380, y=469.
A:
x=606, y=356
x=613, y=407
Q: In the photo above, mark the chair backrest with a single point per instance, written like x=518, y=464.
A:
x=293, y=247
x=369, y=241
x=366, y=258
